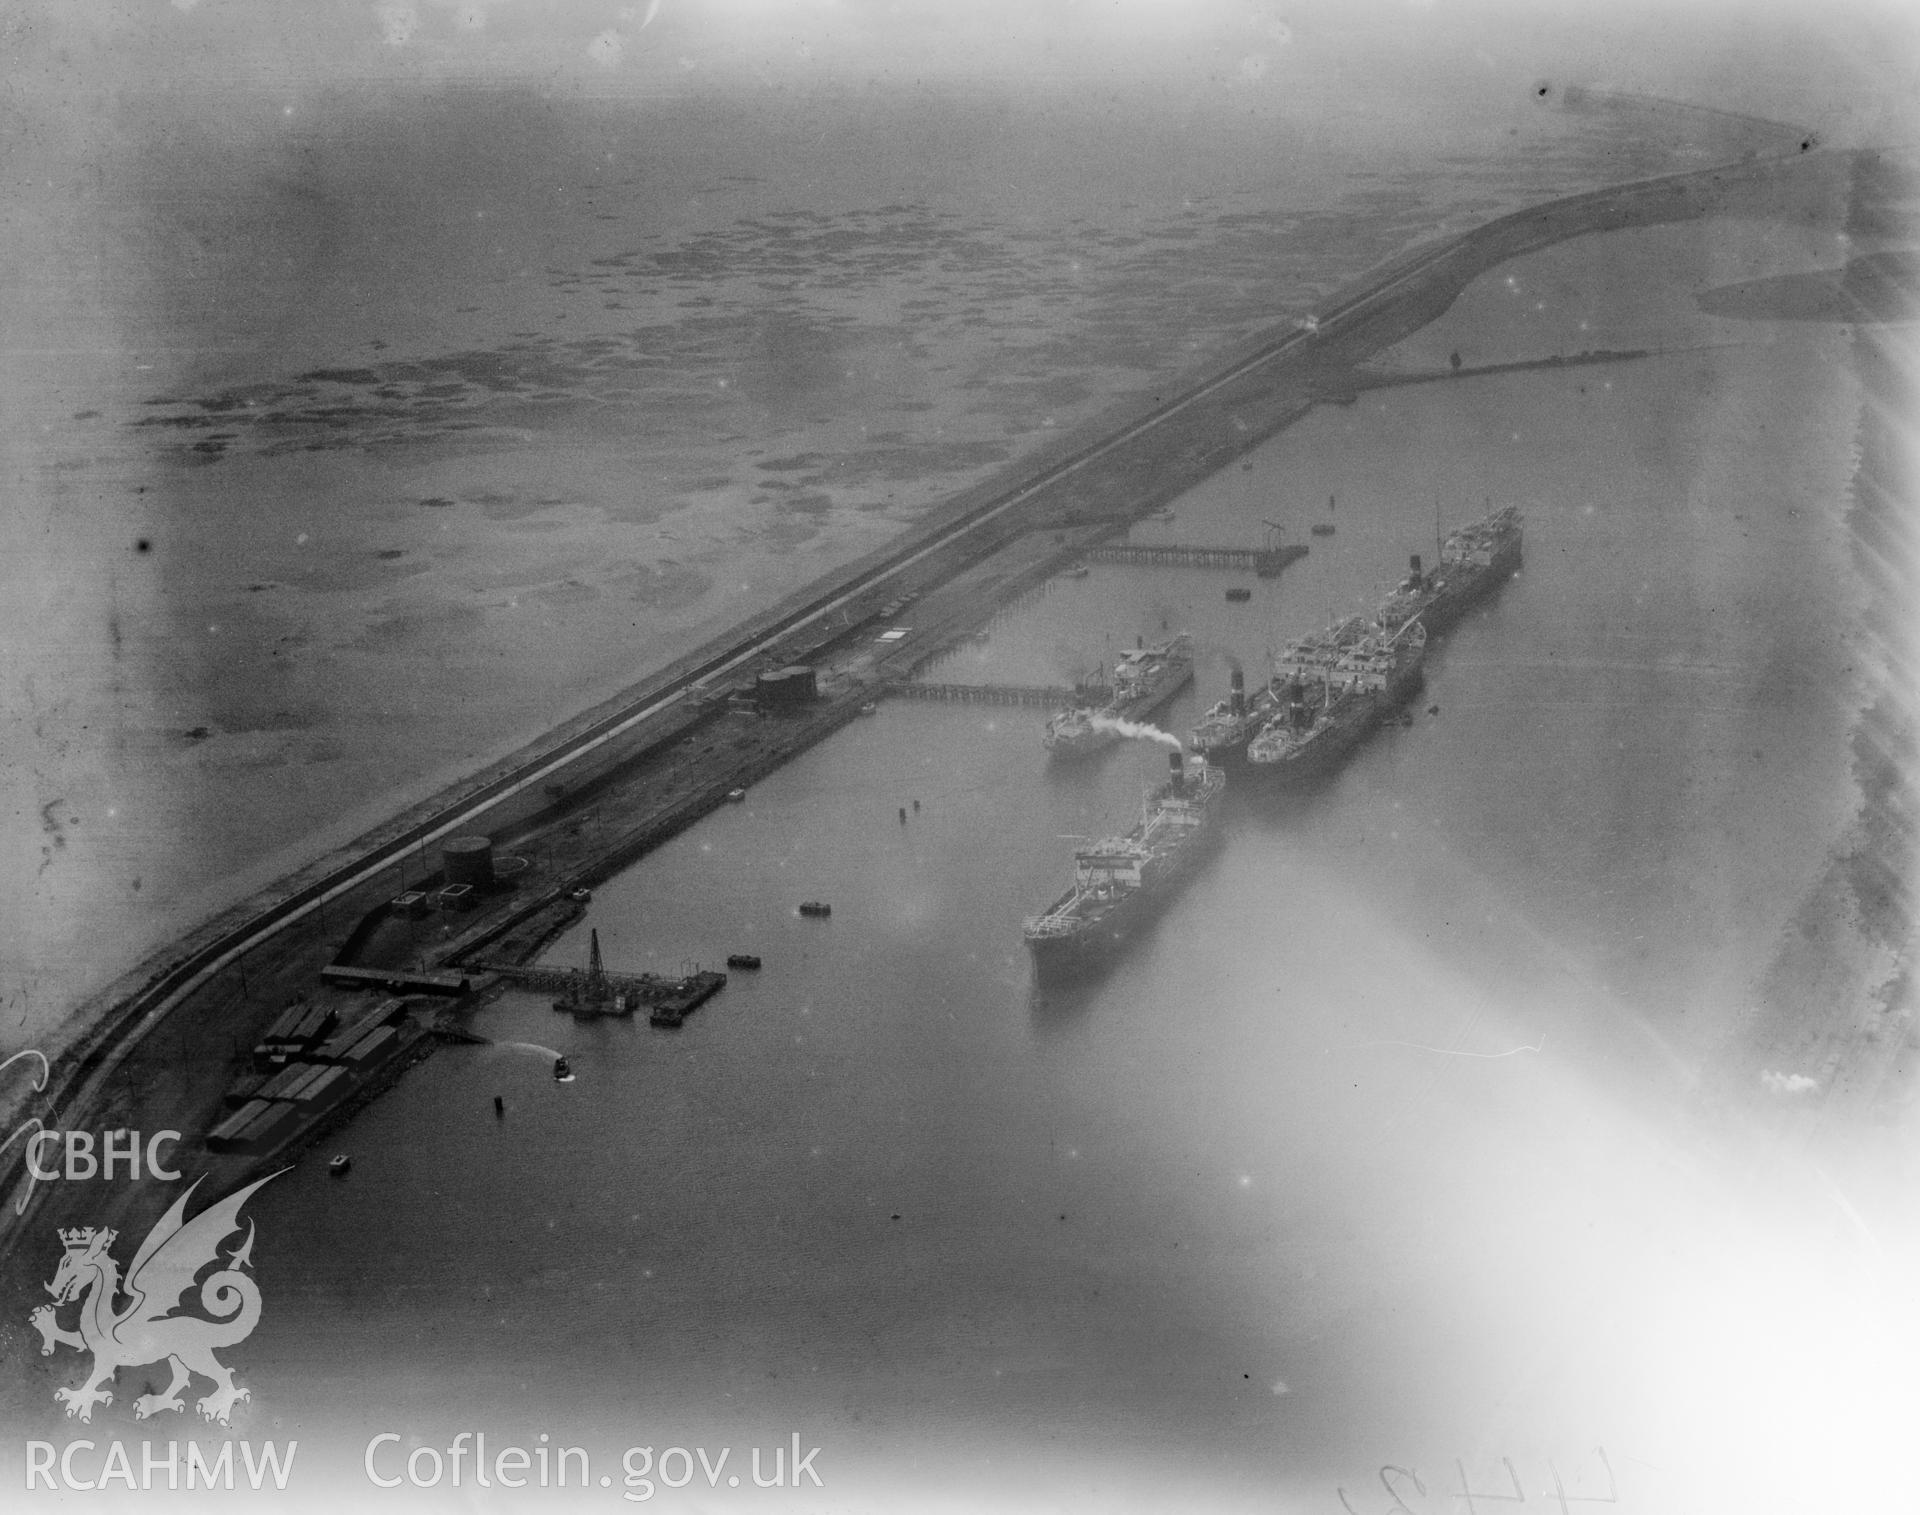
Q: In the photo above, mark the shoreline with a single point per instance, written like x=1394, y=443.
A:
x=1085, y=486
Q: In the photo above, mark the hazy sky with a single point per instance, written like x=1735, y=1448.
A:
x=169, y=183
x=1848, y=62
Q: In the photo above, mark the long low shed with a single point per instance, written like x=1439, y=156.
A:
x=370, y=1051
x=343, y=1041
x=283, y=1084
x=396, y=980
x=255, y=1127
x=324, y=1090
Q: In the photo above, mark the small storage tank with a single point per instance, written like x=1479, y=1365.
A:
x=783, y=688
x=468, y=860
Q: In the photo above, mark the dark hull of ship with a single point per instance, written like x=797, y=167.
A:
x=1465, y=586
x=1159, y=695
x=1332, y=746
x=1095, y=944
x=1134, y=710
x=1232, y=756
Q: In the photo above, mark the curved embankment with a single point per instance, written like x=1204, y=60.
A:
x=1832, y=1021
x=1138, y=458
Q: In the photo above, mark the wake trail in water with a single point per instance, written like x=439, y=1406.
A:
x=547, y=1052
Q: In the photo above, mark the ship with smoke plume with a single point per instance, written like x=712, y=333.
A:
x=1143, y=680
x=1474, y=561
x=1222, y=734
x=1120, y=882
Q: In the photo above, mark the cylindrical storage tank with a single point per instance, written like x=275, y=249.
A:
x=468, y=860
x=785, y=687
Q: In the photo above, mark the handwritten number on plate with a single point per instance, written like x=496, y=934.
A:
x=1612, y=1496
x=1518, y=1496
x=1393, y=1493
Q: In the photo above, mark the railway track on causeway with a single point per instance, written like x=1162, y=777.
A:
x=84, y=1071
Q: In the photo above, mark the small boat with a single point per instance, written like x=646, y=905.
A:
x=742, y=960
x=1239, y=596
x=735, y=796
x=580, y=896
x=1322, y=528
x=869, y=708
x=560, y=1069
x=338, y=1167
x=1077, y=571
x=815, y=908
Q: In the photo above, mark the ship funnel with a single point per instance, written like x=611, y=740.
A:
x=1237, y=691
x=1177, y=772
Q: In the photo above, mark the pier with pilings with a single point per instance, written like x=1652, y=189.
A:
x=594, y=990
x=1051, y=696
x=1266, y=562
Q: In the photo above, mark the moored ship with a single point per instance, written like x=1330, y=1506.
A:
x=1221, y=735
x=1143, y=680
x=1332, y=690
x=1474, y=561
x=1118, y=883
x=1224, y=731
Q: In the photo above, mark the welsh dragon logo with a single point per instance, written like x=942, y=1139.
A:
x=147, y=1329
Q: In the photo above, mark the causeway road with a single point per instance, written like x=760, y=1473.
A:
x=1134, y=462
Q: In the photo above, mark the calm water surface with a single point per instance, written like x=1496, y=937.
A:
x=1368, y=1153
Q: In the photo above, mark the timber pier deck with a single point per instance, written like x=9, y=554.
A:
x=1051, y=696
x=593, y=990
x=1142, y=457
x=1266, y=562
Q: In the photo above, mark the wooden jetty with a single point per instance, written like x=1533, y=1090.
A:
x=1052, y=696
x=1266, y=562
x=593, y=990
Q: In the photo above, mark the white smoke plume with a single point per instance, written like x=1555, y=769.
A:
x=1136, y=730
x=1788, y=1083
